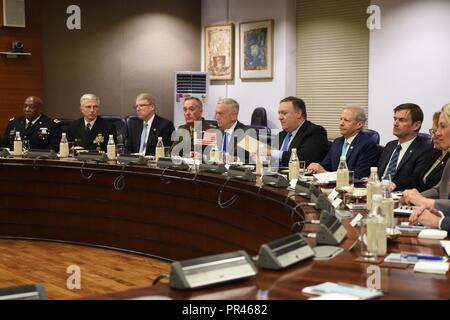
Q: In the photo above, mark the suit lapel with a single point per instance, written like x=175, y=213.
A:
x=354, y=144
x=408, y=154
x=300, y=134
x=153, y=133
x=137, y=135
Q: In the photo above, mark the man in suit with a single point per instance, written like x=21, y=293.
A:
x=90, y=132
x=184, y=141
x=233, y=131
x=309, y=139
x=403, y=160
x=34, y=126
x=142, y=134
x=359, y=149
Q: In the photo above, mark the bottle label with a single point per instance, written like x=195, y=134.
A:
x=63, y=150
x=159, y=152
x=111, y=151
x=294, y=170
x=17, y=151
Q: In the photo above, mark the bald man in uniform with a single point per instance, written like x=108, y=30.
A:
x=34, y=126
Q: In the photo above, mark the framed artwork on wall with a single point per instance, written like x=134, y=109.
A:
x=219, y=51
x=256, y=49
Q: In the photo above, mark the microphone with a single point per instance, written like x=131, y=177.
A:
x=331, y=231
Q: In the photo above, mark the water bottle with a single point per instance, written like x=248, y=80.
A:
x=111, y=148
x=373, y=186
x=387, y=205
x=294, y=165
x=376, y=228
x=17, y=150
x=63, y=146
x=342, y=175
x=159, y=153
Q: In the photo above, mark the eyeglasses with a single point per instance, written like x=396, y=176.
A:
x=138, y=106
x=432, y=131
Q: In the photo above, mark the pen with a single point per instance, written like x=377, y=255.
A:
x=421, y=257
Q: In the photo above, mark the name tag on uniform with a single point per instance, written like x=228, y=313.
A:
x=43, y=130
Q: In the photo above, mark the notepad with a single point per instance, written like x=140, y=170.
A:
x=431, y=267
x=432, y=234
x=358, y=292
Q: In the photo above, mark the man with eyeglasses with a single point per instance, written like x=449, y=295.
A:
x=90, y=132
x=143, y=133
x=34, y=126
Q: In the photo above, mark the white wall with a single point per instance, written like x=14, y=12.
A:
x=251, y=94
x=409, y=60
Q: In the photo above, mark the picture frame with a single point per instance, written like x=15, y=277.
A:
x=219, y=51
x=256, y=49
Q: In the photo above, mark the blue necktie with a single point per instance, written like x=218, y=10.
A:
x=225, y=143
x=143, y=146
x=345, y=148
x=286, y=142
x=392, y=167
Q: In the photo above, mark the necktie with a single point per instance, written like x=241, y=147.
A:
x=443, y=185
x=287, y=140
x=225, y=143
x=88, y=128
x=143, y=147
x=29, y=125
x=345, y=148
x=392, y=167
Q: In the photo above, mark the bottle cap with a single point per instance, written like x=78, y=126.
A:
x=343, y=158
x=373, y=169
x=294, y=150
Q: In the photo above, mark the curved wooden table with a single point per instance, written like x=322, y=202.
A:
x=172, y=215
x=177, y=216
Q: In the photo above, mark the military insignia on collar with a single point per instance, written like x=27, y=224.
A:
x=11, y=119
x=56, y=121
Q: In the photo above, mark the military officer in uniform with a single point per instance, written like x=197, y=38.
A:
x=90, y=132
x=193, y=112
x=34, y=126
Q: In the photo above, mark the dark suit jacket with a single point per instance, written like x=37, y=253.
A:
x=101, y=130
x=311, y=143
x=240, y=131
x=40, y=134
x=410, y=167
x=161, y=127
x=361, y=155
x=435, y=176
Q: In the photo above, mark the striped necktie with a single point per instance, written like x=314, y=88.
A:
x=392, y=167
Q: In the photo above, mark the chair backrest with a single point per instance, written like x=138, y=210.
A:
x=64, y=124
x=28, y=292
x=426, y=137
x=259, y=117
x=119, y=123
x=374, y=135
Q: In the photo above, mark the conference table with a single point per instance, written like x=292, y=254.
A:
x=176, y=215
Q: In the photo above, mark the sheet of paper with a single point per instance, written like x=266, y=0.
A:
x=325, y=177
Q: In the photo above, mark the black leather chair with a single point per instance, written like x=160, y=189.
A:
x=374, y=135
x=63, y=124
x=120, y=124
x=259, y=117
x=426, y=136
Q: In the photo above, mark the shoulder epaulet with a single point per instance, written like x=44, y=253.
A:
x=56, y=121
x=11, y=119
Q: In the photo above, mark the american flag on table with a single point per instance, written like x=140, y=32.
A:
x=205, y=138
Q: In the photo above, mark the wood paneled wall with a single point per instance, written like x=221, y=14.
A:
x=22, y=76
